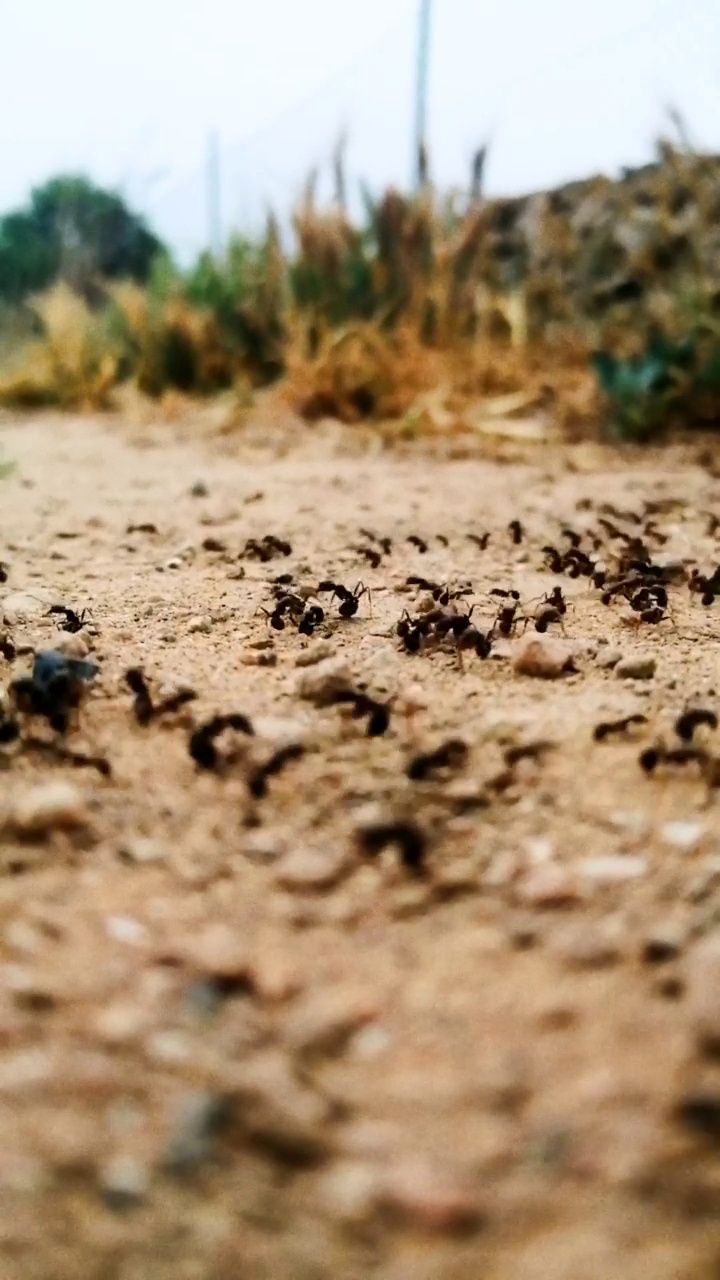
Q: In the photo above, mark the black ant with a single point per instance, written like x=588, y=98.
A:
x=258, y=780
x=4, y=570
x=409, y=838
x=481, y=540
x=553, y=559
x=611, y=727
x=372, y=556
x=350, y=600
x=201, y=745
x=378, y=713
x=412, y=632
x=385, y=543
x=74, y=622
x=266, y=549
x=506, y=619
x=144, y=707
x=7, y=649
x=526, y=751
x=557, y=600
x=311, y=619
x=689, y=721
x=420, y=543
x=654, y=756
x=546, y=616
x=473, y=638
x=449, y=755
x=286, y=604
x=517, y=531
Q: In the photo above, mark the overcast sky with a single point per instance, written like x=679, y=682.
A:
x=128, y=93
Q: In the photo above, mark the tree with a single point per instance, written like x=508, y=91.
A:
x=75, y=231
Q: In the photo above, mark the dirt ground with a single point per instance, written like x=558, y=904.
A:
x=236, y=1043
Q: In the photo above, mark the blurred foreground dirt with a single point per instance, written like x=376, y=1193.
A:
x=234, y=1048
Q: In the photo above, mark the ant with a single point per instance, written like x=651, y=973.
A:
x=654, y=756
x=557, y=600
x=266, y=549
x=258, y=780
x=311, y=619
x=144, y=707
x=384, y=543
x=286, y=604
x=409, y=838
x=517, y=531
x=74, y=622
x=412, y=632
x=689, y=721
x=378, y=713
x=350, y=600
x=481, y=540
x=373, y=557
x=420, y=543
x=506, y=619
x=611, y=727
x=201, y=745
x=449, y=755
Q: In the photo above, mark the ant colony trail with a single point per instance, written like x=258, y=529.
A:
x=360, y=860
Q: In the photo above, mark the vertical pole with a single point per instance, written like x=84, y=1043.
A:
x=421, y=95
x=214, y=212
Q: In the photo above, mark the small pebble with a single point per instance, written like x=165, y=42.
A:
x=636, y=667
x=143, y=850
x=24, y=604
x=549, y=885
x=316, y=653
x=429, y=1198
x=349, y=1192
x=544, y=657
x=685, y=836
x=125, y=1182
x=48, y=807
x=308, y=870
x=268, y=659
x=201, y=1119
x=200, y=625
x=611, y=869
x=609, y=659
x=264, y=845
x=588, y=945
x=324, y=1021
x=218, y=950
x=126, y=929
x=322, y=684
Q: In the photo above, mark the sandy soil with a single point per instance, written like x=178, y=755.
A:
x=233, y=1045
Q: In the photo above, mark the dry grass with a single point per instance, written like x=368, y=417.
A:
x=425, y=309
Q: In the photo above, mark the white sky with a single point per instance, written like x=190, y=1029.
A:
x=128, y=92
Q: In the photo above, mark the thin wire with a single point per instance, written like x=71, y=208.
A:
x=339, y=74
